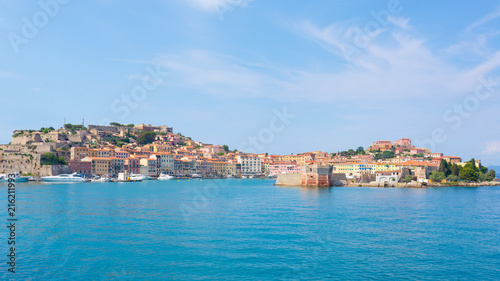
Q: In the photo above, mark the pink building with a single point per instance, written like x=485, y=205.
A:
x=284, y=168
x=133, y=165
x=175, y=139
x=79, y=167
x=403, y=142
x=419, y=150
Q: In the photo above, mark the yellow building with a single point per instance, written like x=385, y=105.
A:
x=220, y=168
x=386, y=167
x=99, y=165
x=78, y=153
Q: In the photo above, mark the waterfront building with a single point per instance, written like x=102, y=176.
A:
x=99, y=165
x=148, y=166
x=284, y=168
x=78, y=153
x=80, y=167
x=250, y=164
x=132, y=165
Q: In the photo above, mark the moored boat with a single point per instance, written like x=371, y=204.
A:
x=17, y=178
x=164, y=177
x=65, y=178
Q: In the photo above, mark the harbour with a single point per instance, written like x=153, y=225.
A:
x=246, y=229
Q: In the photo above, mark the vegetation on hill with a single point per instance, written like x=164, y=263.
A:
x=384, y=155
x=51, y=159
x=351, y=152
x=74, y=127
x=146, y=138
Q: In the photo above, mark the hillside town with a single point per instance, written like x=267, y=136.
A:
x=153, y=150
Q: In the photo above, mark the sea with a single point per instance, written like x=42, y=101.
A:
x=250, y=229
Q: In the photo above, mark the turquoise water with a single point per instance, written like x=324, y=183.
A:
x=252, y=230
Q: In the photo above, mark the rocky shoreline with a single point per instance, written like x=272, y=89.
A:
x=423, y=185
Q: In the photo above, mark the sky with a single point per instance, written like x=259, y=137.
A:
x=276, y=76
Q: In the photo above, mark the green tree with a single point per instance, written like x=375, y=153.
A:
x=468, y=173
x=115, y=124
x=408, y=178
x=384, y=155
x=482, y=177
x=436, y=175
x=444, y=167
x=491, y=175
x=472, y=164
x=226, y=148
x=49, y=158
x=455, y=169
x=220, y=153
x=483, y=169
x=452, y=178
x=146, y=137
x=360, y=150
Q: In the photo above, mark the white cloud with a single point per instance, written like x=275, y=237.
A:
x=146, y=78
x=492, y=148
x=489, y=17
x=8, y=75
x=401, y=66
x=219, y=6
x=400, y=22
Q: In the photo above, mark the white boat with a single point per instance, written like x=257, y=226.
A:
x=229, y=176
x=164, y=177
x=195, y=176
x=243, y=177
x=64, y=178
x=105, y=179
x=125, y=177
x=17, y=178
x=139, y=177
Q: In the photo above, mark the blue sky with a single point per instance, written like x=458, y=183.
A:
x=344, y=73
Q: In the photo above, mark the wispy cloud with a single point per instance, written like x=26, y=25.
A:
x=219, y=5
x=489, y=17
x=146, y=78
x=395, y=65
x=492, y=148
x=8, y=75
x=400, y=22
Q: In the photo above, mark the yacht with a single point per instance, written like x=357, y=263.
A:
x=195, y=176
x=65, y=178
x=164, y=177
x=17, y=178
x=139, y=177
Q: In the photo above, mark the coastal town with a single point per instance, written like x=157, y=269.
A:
x=151, y=151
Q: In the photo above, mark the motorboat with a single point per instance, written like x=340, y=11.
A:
x=195, y=176
x=105, y=179
x=164, y=177
x=17, y=178
x=139, y=177
x=65, y=178
x=125, y=177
